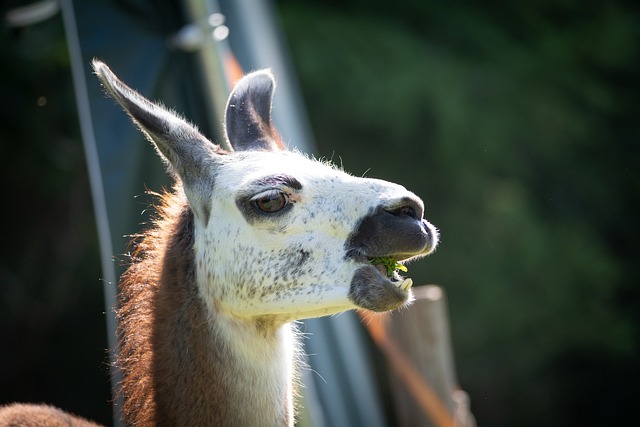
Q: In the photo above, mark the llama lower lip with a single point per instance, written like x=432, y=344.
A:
x=373, y=290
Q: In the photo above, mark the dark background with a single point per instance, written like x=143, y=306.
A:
x=517, y=122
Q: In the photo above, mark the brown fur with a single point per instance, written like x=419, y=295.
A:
x=152, y=298
x=31, y=415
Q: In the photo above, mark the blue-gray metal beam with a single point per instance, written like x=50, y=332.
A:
x=97, y=188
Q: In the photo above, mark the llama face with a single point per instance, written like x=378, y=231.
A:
x=304, y=259
x=278, y=235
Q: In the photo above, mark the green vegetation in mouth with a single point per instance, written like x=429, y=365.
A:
x=389, y=263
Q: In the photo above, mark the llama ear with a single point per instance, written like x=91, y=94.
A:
x=188, y=153
x=248, y=113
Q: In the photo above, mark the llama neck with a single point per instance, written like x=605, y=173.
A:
x=182, y=363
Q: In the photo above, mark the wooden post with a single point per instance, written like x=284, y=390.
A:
x=418, y=347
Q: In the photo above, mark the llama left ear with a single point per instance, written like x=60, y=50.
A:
x=189, y=154
x=248, y=113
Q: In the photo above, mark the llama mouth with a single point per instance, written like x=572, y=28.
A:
x=372, y=288
x=390, y=272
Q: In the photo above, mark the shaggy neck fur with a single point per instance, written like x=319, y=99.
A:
x=183, y=364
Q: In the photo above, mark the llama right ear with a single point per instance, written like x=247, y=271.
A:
x=188, y=153
x=248, y=113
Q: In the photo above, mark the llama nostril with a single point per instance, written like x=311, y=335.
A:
x=408, y=211
x=409, y=208
x=403, y=211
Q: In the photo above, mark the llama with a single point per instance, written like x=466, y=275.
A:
x=246, y=243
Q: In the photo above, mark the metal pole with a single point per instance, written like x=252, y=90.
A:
x=205, y=36
x=97, y=192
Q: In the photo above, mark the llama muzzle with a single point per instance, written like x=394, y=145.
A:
x=382, y=240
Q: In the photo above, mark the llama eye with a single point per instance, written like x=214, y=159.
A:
x=272, y=202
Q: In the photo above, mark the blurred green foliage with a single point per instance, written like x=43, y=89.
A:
x=517, y=124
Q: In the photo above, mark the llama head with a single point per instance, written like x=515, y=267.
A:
x=280, y=236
